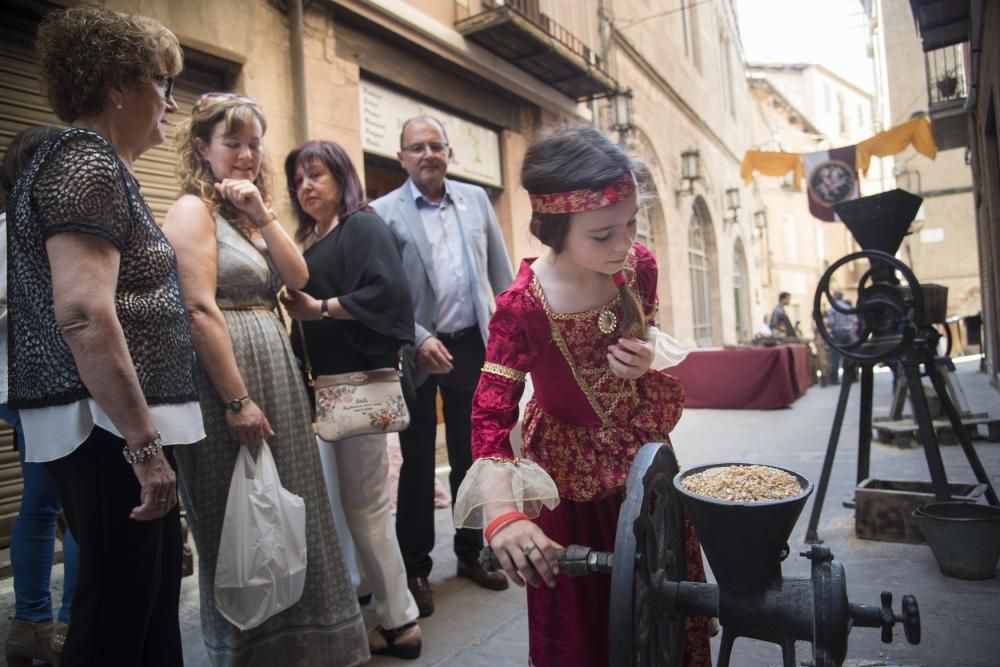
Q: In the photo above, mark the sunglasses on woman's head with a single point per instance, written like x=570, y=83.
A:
x=227, y=96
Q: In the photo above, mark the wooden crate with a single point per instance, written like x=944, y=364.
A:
x=883, y=508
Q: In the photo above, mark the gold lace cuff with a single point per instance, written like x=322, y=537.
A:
x=504, y=372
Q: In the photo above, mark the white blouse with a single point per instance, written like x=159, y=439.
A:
x=55, y=432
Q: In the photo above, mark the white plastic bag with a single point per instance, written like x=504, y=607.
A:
x=261, y=567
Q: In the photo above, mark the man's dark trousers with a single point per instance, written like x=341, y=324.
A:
x=841, y=338
x=415, y=504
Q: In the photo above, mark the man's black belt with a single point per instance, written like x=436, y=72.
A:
x=455, y=335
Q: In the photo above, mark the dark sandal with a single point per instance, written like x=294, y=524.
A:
x=394, y=650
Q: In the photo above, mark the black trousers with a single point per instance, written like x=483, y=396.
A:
x=124, y=611
x=415, y=502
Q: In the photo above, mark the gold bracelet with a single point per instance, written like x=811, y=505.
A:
x=272, y=216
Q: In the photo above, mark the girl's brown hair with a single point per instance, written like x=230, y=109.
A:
x=195, y=173
x=575, y=158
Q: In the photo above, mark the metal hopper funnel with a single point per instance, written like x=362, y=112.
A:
x=879, y=222
x=744, y=542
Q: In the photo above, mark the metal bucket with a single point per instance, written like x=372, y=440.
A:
x=964, y=537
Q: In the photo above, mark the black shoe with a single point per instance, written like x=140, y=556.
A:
x=421, y=590
x=495, y=581
x=394, y=650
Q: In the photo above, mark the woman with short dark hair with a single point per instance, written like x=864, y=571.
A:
x=355, y=313
x=102, y=365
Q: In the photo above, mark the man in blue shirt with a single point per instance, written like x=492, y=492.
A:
x=454, y=254
x=841, y=325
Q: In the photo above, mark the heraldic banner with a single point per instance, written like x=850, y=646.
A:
x=831, y=177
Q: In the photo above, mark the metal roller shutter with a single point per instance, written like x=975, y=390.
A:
x=22, y=105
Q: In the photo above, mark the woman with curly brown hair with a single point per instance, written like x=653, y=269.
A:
x=101, y=358
x=233, y=256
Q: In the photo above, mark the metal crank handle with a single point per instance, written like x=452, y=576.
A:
x=883, y=617
x=575, y=560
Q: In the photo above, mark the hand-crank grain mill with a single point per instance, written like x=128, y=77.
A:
x=745, y=544
x=893, y=326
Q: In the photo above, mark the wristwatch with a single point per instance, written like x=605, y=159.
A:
x=237, y=403
x=323, y=312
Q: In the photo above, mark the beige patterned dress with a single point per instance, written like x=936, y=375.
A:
x=325, y=627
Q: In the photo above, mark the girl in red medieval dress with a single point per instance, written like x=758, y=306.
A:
x=577, y=318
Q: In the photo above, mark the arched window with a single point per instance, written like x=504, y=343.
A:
x=741, y=294
x=700, y=267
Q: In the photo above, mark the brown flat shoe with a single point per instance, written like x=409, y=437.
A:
x=495, y=581
x=393, y=648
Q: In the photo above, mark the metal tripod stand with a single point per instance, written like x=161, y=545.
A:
x=891, y=327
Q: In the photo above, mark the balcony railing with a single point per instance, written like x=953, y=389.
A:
x=946, y=93
x=520, y=33
x=945, y=75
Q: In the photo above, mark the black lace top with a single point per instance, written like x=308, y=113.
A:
x=76, y=183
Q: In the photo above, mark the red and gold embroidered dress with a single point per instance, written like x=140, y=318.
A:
x=582, y=426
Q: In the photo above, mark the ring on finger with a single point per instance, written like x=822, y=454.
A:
x=527, y=549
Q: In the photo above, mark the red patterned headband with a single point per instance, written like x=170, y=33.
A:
x=587, y=199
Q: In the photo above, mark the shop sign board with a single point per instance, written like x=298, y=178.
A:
x=476, y=148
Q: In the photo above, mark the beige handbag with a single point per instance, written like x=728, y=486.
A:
x=356, y=403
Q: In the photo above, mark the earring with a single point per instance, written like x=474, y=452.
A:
x=118, y=106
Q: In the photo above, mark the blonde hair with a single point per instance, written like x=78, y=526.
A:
x=194, y=173
x=86, y=51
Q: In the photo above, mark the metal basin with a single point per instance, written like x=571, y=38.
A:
x=964, y=537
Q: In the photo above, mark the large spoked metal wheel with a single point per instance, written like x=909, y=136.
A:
x=649, y=549
x=887, y=313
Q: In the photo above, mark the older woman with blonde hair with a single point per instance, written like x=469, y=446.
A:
x=233, y=256
x=101, y=356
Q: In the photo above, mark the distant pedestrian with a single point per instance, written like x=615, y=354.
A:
x=842, y=324
x=780, y=323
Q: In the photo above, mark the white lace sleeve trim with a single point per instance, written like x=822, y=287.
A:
x=493, y=486
x=667, y=350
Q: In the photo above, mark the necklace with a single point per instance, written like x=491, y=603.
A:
x=606, y=320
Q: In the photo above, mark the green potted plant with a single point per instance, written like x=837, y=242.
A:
x=947, y=83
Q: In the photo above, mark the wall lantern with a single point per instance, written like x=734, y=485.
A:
x=759, y=222
x=621, y=110
x=733, y=204
x=690, y=170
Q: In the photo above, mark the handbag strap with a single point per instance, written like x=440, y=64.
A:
x=305, y=355
x=310, y=379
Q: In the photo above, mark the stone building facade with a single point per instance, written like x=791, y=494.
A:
x=943, y=236
x=496, y=73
